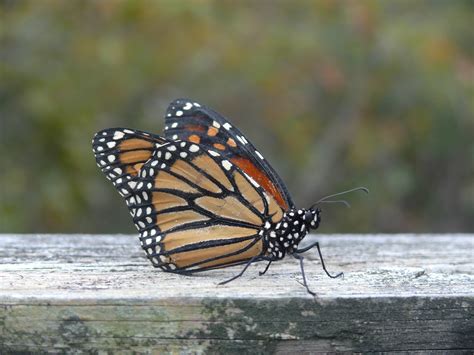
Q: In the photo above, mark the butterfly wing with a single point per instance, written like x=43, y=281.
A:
x=188, y=120
x=121, y=152
x=193, y=208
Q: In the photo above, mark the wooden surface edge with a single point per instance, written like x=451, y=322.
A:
x=90, y=294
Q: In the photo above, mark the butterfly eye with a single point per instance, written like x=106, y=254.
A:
x=308, y=216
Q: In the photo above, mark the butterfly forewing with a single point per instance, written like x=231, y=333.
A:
x=194, y=209
x=187, y=120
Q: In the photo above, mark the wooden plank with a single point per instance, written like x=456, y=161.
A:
x=90, y=293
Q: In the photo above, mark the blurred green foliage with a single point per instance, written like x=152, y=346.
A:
x=336, y=94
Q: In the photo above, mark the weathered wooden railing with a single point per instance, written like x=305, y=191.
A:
x=93, y=293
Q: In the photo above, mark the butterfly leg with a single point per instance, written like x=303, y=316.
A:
x=316, y=244
x=305, y=284
x=254, y=259
x=266, y=268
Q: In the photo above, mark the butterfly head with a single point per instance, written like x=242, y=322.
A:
x=311, y=218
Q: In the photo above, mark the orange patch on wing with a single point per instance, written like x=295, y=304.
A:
x=134, y=160
x=188, y=172
x=194, y=138
x=208, y=165
x=219, y=146
x=249, y=192
x=172, y=219
x=165, y=180
x=181, y=238
x=274, y=210
x=231, y=142
x=135, y=143
x=254, y=250
x=195, y=128
x=164, y=200
x=130, y=170
x=212, y=131
x=186, y=259
x=228, y=207
x=138, y=166
x=262, y=179
x=135, y=156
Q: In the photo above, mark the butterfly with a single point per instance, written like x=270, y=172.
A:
x=202, y=197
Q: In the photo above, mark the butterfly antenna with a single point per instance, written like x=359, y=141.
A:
x=325, y=199
x=344, y=202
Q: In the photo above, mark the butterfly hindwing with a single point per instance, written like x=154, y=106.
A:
x=193, y=208
x=188, y=120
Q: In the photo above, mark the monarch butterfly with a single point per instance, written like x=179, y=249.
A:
x=202, y=197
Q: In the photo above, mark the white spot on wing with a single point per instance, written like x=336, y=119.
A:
x=226, y=164
x=252, y=181
x=179, y=113
x=118, y=135
x=227, y=126
x=259, y=155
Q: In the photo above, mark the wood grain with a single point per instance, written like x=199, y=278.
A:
x=92, y=293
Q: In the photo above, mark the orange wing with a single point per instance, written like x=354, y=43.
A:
x=194, y=209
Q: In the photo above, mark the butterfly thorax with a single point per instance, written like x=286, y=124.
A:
x=284, y=237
